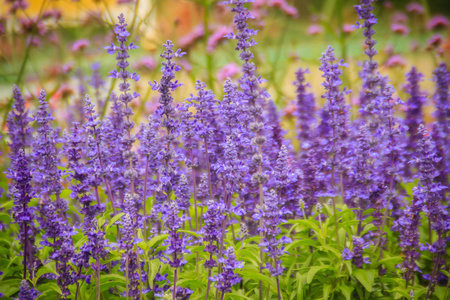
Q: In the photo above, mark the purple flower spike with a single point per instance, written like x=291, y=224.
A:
x=228, y=278
x=26, y=292
x=305, y=113
x=414, y=115
x=357, y=254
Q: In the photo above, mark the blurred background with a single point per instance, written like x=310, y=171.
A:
x=58, y=45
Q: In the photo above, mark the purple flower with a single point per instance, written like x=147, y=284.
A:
x=26, y=292
x=228, y=278
x=23, y=214
x=357, y=254
x=45, y=155
x=17, y=123
x=408, y=227
x=272, y=216
x=212, y=231
x=305, y=113
x=337, y=111
x=369, y=71
x=414, y=115
x=176, y=243
x=441, y=127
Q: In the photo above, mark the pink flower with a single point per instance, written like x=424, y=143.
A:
x=435, y=42
x=395, y=61
x=80, y=45
x=400, y=28
x=399, y=17
x=188, y=39
x=146, y=62
x=216, y=37
x=415, y=7
x=185, y=64
x=288, y=9
x=414, y=46
x=229, y=70
x=348, y=28
x=437, y=22
x=67, y=67
x=314, y=29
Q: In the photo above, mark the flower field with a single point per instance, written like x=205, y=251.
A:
x=219, y=162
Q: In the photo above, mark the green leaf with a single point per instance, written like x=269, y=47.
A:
x=346, y=291
x=156, y=240
x=49, y=286
x=312, y=272
x=326, y=291
x=365, y=278
x=9, y=287
x=261, y=277
x=114, y=220
x=191, y=233
x=5, y=218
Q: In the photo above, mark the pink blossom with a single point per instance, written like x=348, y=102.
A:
x=146, y=62
x=395, y=61
x=348, y=28
x=285, y=7
x=185, y=64
x=216, y=37
x=188, y=39
x=229, y=70
x=399, y=17
x=435, y=42
x=415, y=7
x=437, y=22
x=80, y=45
x=400, y=28
x=314, y=29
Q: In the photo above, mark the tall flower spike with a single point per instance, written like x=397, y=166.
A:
x=337, y=110
x=305, y=112
x=166, y=114
x=23, y=214
x=17, y=123
x=369, y=70
x=228, y=277
x=47, y=176
x=356, y=256
x=414, y=115
x=272, y=215
x=441, y=127
x=408, y=227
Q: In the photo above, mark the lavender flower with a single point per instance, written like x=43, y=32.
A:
x=369, y=71
x=45, y=155
x=228, y=278
x=23, y=214
x=176, y=243
x=26, y=292
x=356, y=256
x=305, y=112
x=212, y=231
x=272, y=215
x=17, y=122
x=408, y=227
x=335, y=107
x=441, y=131
x=166, y=114
x=414, y=115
